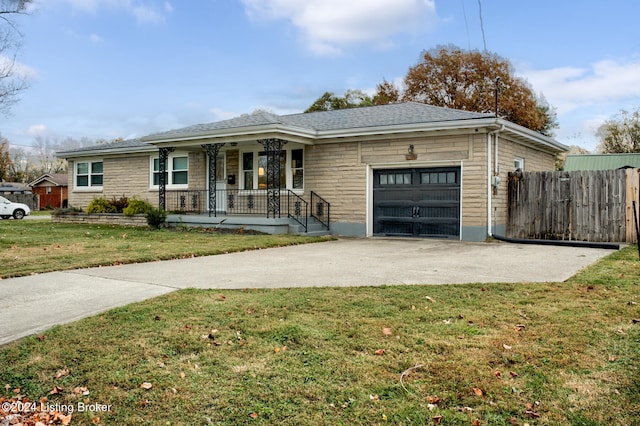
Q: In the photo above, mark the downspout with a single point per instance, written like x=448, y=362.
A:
x=490, y=174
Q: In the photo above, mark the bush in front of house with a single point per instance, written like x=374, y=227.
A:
x=101, y=205
x=156, y=217
x=137, y=206
x=119, y=203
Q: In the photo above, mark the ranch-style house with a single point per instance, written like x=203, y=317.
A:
x=406, y=169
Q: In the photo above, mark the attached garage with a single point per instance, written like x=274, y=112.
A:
x=419, y=202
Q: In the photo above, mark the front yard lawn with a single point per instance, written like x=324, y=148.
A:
x=477, y=354
x=31, y=246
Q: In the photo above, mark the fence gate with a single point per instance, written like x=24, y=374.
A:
x=582, y=205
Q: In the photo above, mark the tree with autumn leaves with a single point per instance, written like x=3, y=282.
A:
x=466, y=80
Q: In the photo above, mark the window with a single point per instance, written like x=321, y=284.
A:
x=177, y=173
x=254, y=169
x=438, y=178
x=88, y=174
x=518, y=163
x=395, y=178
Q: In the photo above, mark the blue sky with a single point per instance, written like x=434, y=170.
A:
x=126, y=68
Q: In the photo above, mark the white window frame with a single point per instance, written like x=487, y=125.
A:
x=288, y=169
x=169, y=183
x=89, y=187
x=518, y=163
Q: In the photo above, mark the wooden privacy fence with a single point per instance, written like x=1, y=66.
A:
x=582, y=205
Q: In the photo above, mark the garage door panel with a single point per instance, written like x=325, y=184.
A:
x=417, y=202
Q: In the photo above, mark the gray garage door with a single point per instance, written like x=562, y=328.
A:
x=417, y=202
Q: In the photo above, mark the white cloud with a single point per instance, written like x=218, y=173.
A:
x=585, y=97
x=38, y=130
x=95, y=38
x=569, y=88
x=8, y=66
x=328, y=26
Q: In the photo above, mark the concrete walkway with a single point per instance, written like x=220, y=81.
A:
x=31, y=304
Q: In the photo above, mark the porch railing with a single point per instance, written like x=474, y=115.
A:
x=248, y=202
x=320, y=209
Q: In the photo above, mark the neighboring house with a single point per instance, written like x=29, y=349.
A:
x=52, y=190
x=601, y=162
x=14, y=188
x=406, y=169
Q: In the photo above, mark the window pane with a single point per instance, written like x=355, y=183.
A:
x=442, y=178
x=298, y=179
x=383, y=179
x=407, y=178
x=220, y=168
x=82, y=180
x=248, y=180
x=156, y=178
x=96, y=180
x=391, y=179
x=247, y=161
x=296, y=158
x=156, y=164
x=82, y=168
x=424, y=178
x=180, y=178
x=180, y=163
x=96, y=167
x=451, y=177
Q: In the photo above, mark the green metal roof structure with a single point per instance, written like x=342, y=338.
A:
x=601, y=162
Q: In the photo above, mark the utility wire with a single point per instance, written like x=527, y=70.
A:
x=484, y=41
x=466, y=24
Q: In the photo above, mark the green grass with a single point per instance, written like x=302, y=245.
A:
x=28, y=247
x=498, y=354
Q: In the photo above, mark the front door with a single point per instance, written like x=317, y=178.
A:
x=417, y=202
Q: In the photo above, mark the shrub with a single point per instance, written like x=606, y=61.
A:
x=137, y=206
x=119, y=203
x=100, y=205
x=156, y=217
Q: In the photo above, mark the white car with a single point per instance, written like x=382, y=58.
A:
x=9, y=208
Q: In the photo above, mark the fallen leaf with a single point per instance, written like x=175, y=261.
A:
x=222, y=297
x=379, y=352
x=432, y=407
x=276, y=350
x=144, y=403
x=507, y=347
x=61, y=373
x=387, y=331
x=635, y=320
x=498, y=374
x=513, y=374
x=253, y=415
x=182, y=375
x=40, y=337
x=146, y=385
x=478, y=391
x=433, y=399
x=532, y=414
x=519, y=327
x=430, y=299
x=437, y=420
x=95, y=420
x=476, y=422
x=375, y=397
x=56, y=390
x=612, y=358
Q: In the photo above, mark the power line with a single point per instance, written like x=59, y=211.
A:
x=466, y=25
x=484, y=41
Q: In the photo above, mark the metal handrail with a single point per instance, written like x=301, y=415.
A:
x=320, y=209
x=300, y=209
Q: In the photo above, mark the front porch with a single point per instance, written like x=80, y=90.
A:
x=249, y=209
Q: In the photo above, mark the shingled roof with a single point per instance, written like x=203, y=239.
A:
x=342, y=119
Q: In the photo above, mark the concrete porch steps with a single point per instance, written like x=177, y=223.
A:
x=281, y=225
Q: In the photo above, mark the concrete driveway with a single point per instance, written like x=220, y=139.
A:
x=32, y=304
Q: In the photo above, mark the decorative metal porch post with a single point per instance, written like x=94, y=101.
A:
x=273, y=149
x=162, y=178
x=212, y=150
